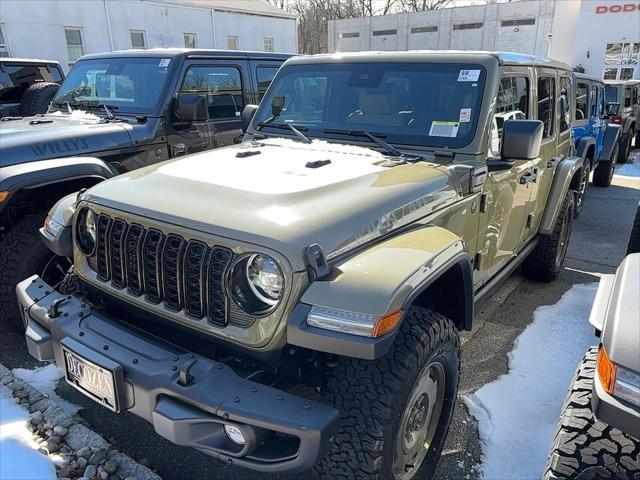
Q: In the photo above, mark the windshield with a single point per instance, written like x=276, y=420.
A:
x=128, y=85
x=422, y=104
x=611, y=93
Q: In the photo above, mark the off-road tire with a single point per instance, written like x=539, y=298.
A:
x=37, y=97
x=21, y=255
x=584, y=447
x=634, y=238
x=371, y=396
x=625, y=147
x=603, y=174
x=541, y=264
x=581, y=195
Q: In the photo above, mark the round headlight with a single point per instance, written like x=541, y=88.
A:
x=265, y=278
x=256, y=284
x=86, y=231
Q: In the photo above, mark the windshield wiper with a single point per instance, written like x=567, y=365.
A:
x=374, y=138
x=288, y=126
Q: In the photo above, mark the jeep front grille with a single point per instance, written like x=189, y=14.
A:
x=183, y=275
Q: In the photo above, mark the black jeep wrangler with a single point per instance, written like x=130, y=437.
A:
x=27, y=86
x=115, y=112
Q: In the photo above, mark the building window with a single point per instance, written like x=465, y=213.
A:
x=138, y=39
x=620, y=60
x=383, y=33
x=220, y=86
x=610, y=73
x=4, y=48
x=349, y=35
x=75, y=43
x=546, y=104
x=232, y=42
x=268, y=44
x=518, y=22
x=424, y=29
x=190, y=40
x=467, y=26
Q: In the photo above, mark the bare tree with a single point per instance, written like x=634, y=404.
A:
x=424, y=5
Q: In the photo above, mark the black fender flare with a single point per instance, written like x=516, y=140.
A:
x=582, y=146
x=626, y=126
x=611, y=137
x=24, y=176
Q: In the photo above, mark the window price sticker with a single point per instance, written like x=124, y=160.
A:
x=469, y=75
x=164, y=63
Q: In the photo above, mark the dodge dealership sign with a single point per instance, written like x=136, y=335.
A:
x=620, y=7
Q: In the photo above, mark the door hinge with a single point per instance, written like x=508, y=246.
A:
x=477, y=261
x=530, y=220
x=483, y=202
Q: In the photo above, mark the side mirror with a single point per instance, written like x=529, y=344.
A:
x=521, y=139
x=192, y=108
x=247, y=115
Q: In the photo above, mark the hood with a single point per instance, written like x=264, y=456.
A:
x=59, y=135
x=276, y=199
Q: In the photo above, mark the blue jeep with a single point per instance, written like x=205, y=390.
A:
x=596, y=140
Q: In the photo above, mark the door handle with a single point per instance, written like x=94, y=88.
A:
x=526, y=178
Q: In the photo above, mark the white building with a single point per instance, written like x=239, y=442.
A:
x=64, y=30
x=602, y=36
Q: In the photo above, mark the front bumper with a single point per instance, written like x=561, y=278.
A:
x=614, y=412
x=188, y=398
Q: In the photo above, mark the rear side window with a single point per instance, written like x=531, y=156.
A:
x=627, y=97
x=15, y=79
x=594, y=100
x=565, y=103
x=220, y=85
x=546, y=103
x=582, y=99
x=265, y=76
x=612, y=93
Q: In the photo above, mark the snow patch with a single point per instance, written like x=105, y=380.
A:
x=517, y=413
x=45, y=379
x=323, y=145
x=629, y=169
x=19, y=458
x=76, y=115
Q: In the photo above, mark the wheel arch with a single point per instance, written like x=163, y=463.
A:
x=567, y=174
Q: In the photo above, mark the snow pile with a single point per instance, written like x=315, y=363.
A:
x=19, y=458
x=518, y=412
x=76, y=115
x=324, y=146
x=631, y=168
x=45, y=379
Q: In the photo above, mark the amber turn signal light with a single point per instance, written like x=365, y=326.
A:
x=3, y=196
x=386, y=324
x=606, y=370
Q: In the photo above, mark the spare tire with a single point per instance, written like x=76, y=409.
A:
x=37, y=97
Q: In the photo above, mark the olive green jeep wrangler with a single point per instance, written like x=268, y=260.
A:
x=294, y=301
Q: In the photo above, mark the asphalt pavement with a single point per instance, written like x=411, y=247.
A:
x=597, y=246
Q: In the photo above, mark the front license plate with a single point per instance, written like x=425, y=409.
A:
x=93, y=380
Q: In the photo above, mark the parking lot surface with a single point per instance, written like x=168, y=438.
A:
x=597, y=246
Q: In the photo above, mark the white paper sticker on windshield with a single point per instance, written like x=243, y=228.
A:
x=444, y=129
x=164, y=63
x=469, y=75
x=465, y=115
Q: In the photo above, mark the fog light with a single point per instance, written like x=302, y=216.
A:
x=234, y=434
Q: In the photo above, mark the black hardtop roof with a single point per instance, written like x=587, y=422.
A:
x=32, y=61
x=591, y=78
x=503, y=58
x=183, y=53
